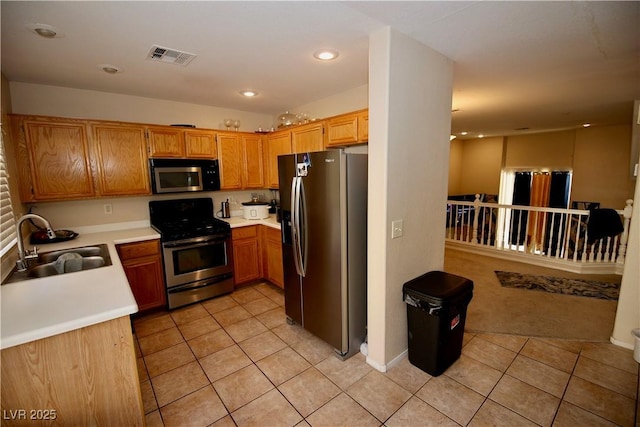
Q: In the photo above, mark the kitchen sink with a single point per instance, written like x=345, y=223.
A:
x=85, y=251
x=73, y=260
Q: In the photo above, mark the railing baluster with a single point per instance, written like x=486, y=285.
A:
x=622, y=249
x=555, y=233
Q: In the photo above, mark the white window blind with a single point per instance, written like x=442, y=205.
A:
x=7, y=219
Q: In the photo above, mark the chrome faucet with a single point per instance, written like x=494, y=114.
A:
x=25, y=255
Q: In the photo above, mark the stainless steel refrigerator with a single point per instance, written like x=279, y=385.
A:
x=323, y=197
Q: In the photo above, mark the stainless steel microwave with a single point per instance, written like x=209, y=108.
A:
x=184, y=175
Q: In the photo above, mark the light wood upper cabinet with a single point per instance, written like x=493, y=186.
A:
x=348, y=129
x=121, y=158
x=166, y=142
x=277, y=144
x=230, y=157
x=58, y=159
x=363, y=126
x=253, y=168
x=200, y=144
x=308, y=138
x=241, y=160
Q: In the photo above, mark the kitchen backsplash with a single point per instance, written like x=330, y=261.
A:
x=71, y=215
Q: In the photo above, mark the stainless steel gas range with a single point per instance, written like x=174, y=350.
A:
x=196, y=249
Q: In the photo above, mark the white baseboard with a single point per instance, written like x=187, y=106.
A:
x=621, y=343
x=384, y=368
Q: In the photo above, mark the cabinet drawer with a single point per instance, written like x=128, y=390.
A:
x=272, y=234
x=138, y=249
x=244, y=232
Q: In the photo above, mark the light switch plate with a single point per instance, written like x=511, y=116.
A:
x=397, y=228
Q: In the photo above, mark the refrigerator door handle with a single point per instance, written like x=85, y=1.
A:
x=302, y=228
x=295, y=224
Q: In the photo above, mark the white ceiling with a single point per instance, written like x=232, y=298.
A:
x=537, y=65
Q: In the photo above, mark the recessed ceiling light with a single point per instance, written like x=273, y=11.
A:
x=586, y=125
x=109, y=69
x=44, y=30
x=481, y=136
x=249, y=93
x=326, y=55
x=464, y=133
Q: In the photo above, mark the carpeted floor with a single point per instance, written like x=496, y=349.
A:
x=497, y=309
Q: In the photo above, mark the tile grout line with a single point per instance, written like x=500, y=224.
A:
x=412, y=394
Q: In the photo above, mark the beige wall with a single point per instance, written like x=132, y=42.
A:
x=598, y=156
x=88, y=104
x=408, y=83
x=553, y=150
x=600, y=167
x=628, y=312
x=456, y=149
x=344, y=102
x=480, y=164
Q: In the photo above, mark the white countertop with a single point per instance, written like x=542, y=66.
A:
x=39, y=308
x=238, y=221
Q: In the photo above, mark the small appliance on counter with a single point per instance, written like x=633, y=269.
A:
x=225, y=210
x=255, y=210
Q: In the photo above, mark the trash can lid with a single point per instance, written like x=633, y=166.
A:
x=438, y=285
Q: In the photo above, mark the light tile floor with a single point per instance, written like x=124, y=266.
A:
x=234, y=360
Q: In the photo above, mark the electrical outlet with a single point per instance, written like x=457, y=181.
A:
x=108, y=208
x=397, y=228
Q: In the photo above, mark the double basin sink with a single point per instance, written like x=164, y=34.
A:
x=64, y=261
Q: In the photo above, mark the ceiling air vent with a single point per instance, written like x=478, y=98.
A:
x=170, y=56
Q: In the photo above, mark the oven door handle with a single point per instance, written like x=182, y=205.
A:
x=194, y=242
x=199, y=285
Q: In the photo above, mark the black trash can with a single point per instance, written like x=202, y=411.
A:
x=436, y=312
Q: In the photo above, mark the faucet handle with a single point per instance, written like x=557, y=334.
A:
x=31, y=254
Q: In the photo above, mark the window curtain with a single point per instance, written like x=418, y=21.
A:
x=521, y=197
x=540, y=186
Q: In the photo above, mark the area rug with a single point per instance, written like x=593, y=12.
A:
x=560, y=285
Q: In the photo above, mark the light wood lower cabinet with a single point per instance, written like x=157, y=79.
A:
x=257, y=254
x=83, y=377
x=247, y=262
x=142, y=263
x=272, y=256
